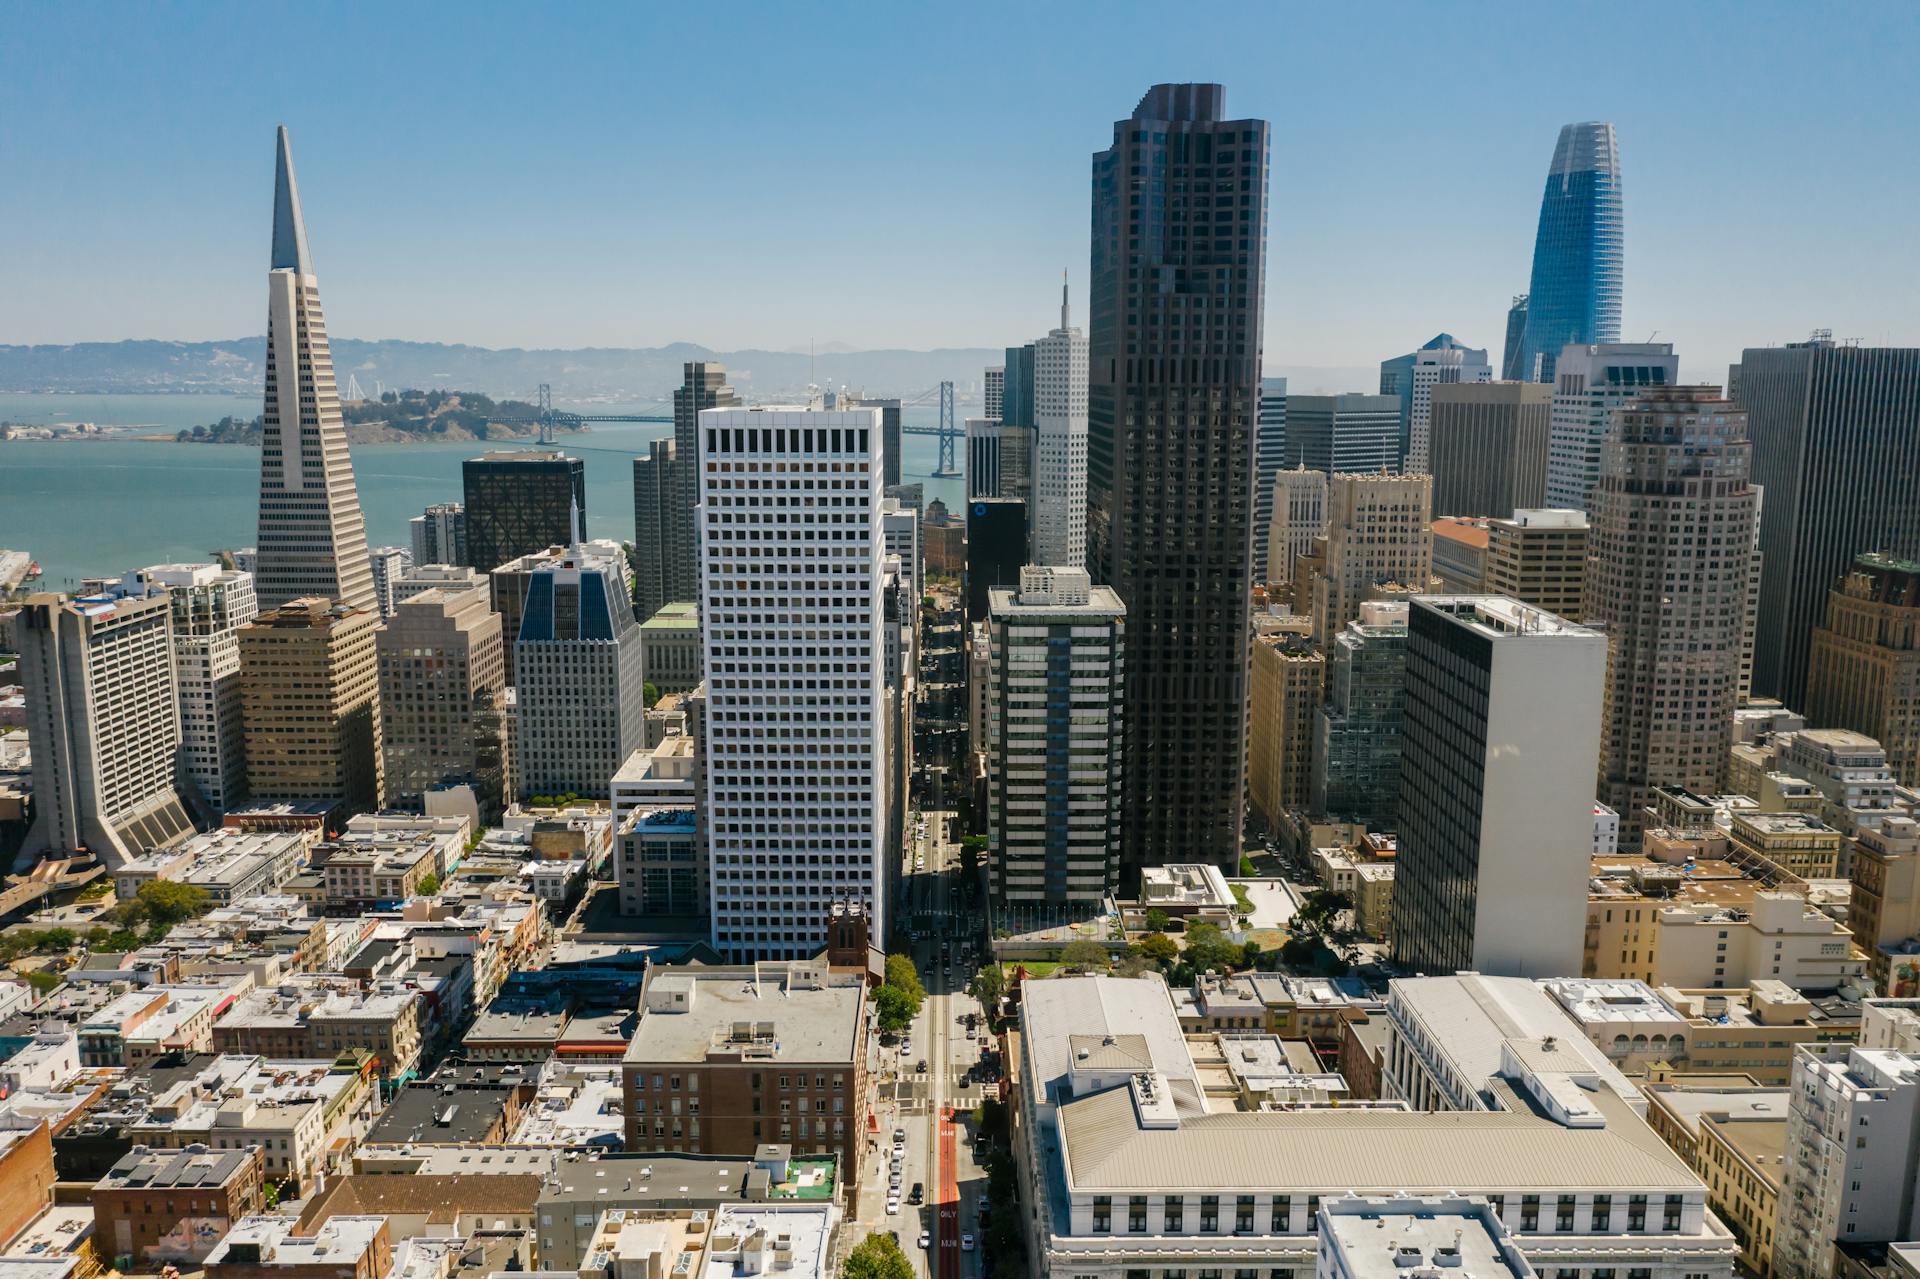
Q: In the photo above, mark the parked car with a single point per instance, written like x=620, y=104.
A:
x=917, y=1194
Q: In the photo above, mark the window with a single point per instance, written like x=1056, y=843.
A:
x=1176, y=1212
x=1529, y=1212
x=1102, y=1214
x=1602, y=1211
x=1282, y=1215
x=1670, y=1219
x=1563, y=1213
x=1243, y=1214
x=1209, y=1212
x=1637, y=1212
x=1137, y=1213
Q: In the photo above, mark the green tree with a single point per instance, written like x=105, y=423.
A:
x=876, y=1257
x=42, y=981
x=650, y=691
x=169, y=902
x=987, y=986
x=902, y=974
x=60, y=938
x=1208, y=947
x=1084, y=954
x=1158, y=921
x=894, y=1009
x=1159, y=947
x=1247, y=869
x=429, y=884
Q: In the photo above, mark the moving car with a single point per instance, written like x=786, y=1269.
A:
x=966, y=1243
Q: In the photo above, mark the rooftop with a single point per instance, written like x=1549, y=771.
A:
x=1391, y=1238
x=262, y=1240
x=776, y=1012
x=1500, y=617
x=674, y=617
x=193, y=1168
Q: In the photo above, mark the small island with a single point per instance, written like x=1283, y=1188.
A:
x=402, y=417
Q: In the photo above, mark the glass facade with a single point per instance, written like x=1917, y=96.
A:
x=1577, y=253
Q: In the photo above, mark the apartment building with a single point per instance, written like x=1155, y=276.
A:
x=1852, y=1145
x=210, y=605
x=1282, y=722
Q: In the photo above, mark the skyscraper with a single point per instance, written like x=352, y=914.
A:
x=1592, y=382
x=1283, y=710
x=792, y=616
x=581, y=705
x=1516, y=335
x=1488, y=452
x=439, y=534
x=1379, y=531
x=312, y=537
x=1177, y=295
x=1060, y=444
x=442, y=697
x=389, y=565
x=1354, y=433
x=1496, y=817
x=1269, y=459
x=1299, y=517
x=1412, y=377
x=521, y=501
x=210, y=605
x=310, y=700
x=1836, y=445
x=1667, y=567
x=1577, y=254
x=1356, y=759
x=1056, y=692
x=1864, y=673
x=993, y=391
x=703, y=385
x=999, y=459
x=103, y=724
x=654, y=495
x=1539, y=557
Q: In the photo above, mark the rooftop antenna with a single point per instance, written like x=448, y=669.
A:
x=1064, y=323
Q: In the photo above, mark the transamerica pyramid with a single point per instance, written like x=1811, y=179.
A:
x=312, y=538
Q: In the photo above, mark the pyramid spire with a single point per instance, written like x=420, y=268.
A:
x=289, y=228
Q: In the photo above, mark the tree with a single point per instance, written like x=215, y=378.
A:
x=1247, y=868
x=876, y=1257
x=1208, y=947
x=169, y=902
x=894, y=1009
x=902, y=974
x=1084, y=954
x=429, y=884
x=650, y=691
x=1158, y=921
x=987, y=986
x=1159, y=947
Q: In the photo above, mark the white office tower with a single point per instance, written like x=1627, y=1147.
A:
x=1299, y=519
x=993, y=391
x=1059, y=512
x=900, y=529
x=312, y=536
x=210, y=605
x=578, y=667
x=1056, y=689
x=1501, y=736
x=389, y=564
x=1430, y=369
x=1269, y=455
x=1853, y=1140
x=1590, y=382
x=791, y=601
x=103, y=723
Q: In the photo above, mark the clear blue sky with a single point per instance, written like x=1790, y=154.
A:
x=916, y=175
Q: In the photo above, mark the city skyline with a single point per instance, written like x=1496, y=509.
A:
x=610, y=265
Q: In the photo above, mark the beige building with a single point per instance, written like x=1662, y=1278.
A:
x=1489, y=450
x=1735, y=1138
x=1755, y=1030
x=1668, y=564
x=1283, y=710
x=1884, y=908
x=1864, y=669
x=1668, y=926
x=1379, y=529
x=442, y=689
x=310, y=701
x=1299, y=516
x=1460, y=554
x=1539, y=557
x=1797, y=842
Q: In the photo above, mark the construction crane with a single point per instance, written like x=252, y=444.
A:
x=947, y=432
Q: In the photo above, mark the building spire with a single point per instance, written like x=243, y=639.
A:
x=289, y=228
x=573, y=526
x=1065, y=322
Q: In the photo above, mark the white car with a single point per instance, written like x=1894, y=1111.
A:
x=893, y=1205
x=906, y=1048
x=926, y=1239
x=966, y=1243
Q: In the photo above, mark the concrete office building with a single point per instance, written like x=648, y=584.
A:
x=438, y=535
x=792, y=614
x=1299, y=506
x=389, y=565
x=103, y=725
x=1353, y=433
x=1356, y=769
x=1172, y=406
x=999, y=459
x=1283, y=710
x=1836, y=445
x=509, y=584
x=1059, y=444
x=1853, y=1142
x=310, y=704
x=439, y=577
x=1668, y=564
x=1503, y=708
x=1413, y=377
x=1593, y=381
x=1269, y=459
x=210, y=605
x=519, y=502
x=1379, y=531
x=1056, y=693
x=670, y=642
x=1460, y=554
x=900, y=533
x=312, y=537
x=442, y=697
x=1863, y=671
x=993, y=390
x=580, y=706
x=1539, y=557
x=703, y=386
x=653, y=525
x=1488, y=447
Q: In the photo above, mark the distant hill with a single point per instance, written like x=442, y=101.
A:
x=399, y=418
x=592, y=373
